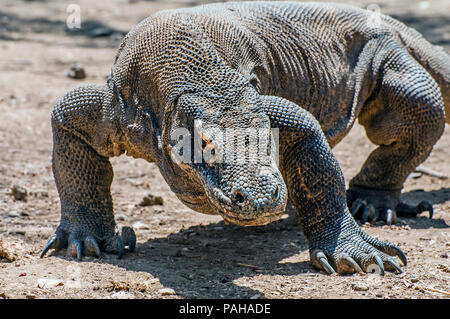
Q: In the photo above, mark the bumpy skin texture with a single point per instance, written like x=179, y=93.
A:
x=308, y=70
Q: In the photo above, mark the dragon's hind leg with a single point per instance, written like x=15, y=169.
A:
x=405, y=119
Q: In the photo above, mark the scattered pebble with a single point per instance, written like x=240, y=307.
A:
x=122, y=295
x=49, y=283
x=147, y=285
x=359, y=286
x=414, y=278
x=151, y=200
x=6, y=252
x=76, y=71
x=166, y=291
x=13, y=214
x=119, y=285
x=139, y=225
x=3, y=295
x=19, y=192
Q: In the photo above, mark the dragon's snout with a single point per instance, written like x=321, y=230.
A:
x=251, y=199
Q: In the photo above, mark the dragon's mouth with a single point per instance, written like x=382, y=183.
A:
x=257, y=220
x=235, y=215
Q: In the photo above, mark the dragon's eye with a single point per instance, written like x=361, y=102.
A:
x=209, y=151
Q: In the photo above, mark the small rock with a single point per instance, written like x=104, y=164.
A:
x=23, y=274
x=122, y=295
x=40, y=194
x=414, y=278
x=359, y=286
x=119, y=285
x=139, y=225
x=166, y=291
x=19, y=192
x=120, y=217
x=3, y=295
x=13, y=214
x=257, y=296
x=151, y=200
x=6, y=252
x=76, y=71
x=146, y=285
x=49, y=283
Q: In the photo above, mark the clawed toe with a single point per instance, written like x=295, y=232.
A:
x=406, y=210
x=55, y=242
x=366, y=212
x=320, y=261
x=358, y=252
x=89, y=246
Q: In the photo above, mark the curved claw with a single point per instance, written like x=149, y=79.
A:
x=129, y=238
x=322, y=259
x=75, y=249
x=351, y=262
x=91, y=247
x=393, y=250
x=379, y=262
x=357, y=205
x=391, y=262
x=426, y=206
x=119, y=247
x=391, y=217
x=53, y=242
x=385, y=247
x=368, y=214
x=406, y=210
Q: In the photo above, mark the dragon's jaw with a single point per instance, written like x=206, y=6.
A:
x=253, y=211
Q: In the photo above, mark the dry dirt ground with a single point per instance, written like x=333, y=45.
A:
x=180, y=253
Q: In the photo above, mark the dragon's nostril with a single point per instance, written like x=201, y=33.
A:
x=239, y=198
x=276, y=193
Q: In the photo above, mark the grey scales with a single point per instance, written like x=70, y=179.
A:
x=308, y=70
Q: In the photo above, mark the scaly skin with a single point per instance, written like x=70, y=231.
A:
x=307, y=70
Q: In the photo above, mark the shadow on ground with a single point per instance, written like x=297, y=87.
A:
x=94, y=33
x=203, y=261
x=215, y=260
x=414, y=197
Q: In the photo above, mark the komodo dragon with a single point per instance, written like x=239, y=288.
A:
x=307, y=69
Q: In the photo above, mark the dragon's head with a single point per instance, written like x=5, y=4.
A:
x=224, y=146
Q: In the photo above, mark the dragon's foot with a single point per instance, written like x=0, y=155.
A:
x=351, y=250
x=80, y=241
x=371, y=205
